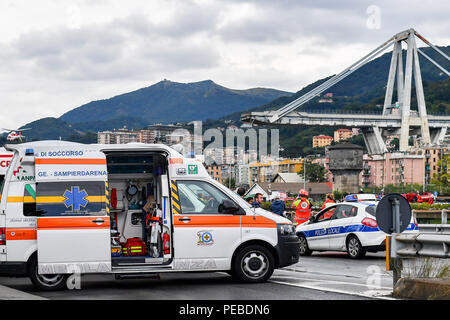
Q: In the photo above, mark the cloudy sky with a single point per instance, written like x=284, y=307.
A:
x=57, y=55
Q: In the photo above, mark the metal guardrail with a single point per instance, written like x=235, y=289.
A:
x=431, y=214
x=432, y=240
x=436, y=245
x=435, y=228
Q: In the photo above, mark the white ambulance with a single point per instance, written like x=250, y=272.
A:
x=129, y=210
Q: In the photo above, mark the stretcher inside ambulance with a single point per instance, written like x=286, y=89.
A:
x=129, y=210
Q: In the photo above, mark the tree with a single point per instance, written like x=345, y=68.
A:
x=230, y=184
x=315, y=172
x=442, y=180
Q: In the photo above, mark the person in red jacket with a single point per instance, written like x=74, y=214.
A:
x=302, y=207
x=328, y=202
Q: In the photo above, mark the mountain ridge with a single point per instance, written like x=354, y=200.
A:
x=160, y=101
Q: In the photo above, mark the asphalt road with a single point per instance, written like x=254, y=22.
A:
x=322, y=276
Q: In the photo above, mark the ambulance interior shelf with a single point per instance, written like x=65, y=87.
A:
x=136, y=201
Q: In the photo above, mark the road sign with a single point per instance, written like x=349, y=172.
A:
x=393, y=213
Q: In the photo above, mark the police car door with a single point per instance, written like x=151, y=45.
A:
x=73, y=225
x=204, y=235
x=316, y=233
x=341, y=225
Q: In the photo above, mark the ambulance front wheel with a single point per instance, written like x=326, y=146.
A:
x=45, y=282
x=253, y=264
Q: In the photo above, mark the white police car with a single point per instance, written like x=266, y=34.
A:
x=347, y=226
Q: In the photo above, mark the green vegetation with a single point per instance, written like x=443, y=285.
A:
x=314, y=172
x=427, y=206
x=230, y=183
x=442, y=181
x=170, y=102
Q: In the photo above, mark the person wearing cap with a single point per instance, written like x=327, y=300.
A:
x=302, y=207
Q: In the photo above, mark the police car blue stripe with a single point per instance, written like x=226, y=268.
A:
x=339, y=230
x=347, y=229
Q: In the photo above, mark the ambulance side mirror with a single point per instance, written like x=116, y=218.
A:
x=228, y=206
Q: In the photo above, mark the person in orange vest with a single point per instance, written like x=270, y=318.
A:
x=302, y=207
x=328, y=202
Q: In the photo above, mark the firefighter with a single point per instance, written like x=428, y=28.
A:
x=302, y=207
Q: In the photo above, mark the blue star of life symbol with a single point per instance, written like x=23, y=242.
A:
x=75, y=198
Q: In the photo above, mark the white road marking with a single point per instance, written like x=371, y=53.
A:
x=334, y=281
x=306, y=286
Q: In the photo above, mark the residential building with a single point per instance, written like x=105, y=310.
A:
x=213, y=155
x=106, y=137
x=119, y=136
x=242, y=174
x=161, y=131
x=317, y=191
x=265, y=171
x=393, y=168
x=432, y=157
x=342, y=135
x=229, y=155
x=215, y=171
x=146, y=136
x=322, y=141
x=154, y=134
x=288, y=177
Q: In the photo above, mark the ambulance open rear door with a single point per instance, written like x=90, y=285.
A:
x=73, y=224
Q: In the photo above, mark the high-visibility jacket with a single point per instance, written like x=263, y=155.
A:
x=327, y=204
x=302, y=210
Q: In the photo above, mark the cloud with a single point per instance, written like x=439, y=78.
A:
x=51, y=61
x=123, y=48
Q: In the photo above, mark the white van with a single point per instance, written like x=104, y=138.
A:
x=73, y=208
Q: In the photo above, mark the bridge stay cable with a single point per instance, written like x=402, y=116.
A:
x=330, y=82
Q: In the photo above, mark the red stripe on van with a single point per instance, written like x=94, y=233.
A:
x=72, y=223
x=207, y=221
x=221, y=221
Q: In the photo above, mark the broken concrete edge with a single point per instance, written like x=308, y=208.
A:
x=7, y=293
x=423, y=289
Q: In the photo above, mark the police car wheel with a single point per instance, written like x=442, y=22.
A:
x=46, y=282
x=253, y=264
x=304, y=249
x=354, y=248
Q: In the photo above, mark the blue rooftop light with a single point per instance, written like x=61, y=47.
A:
x=351, y=197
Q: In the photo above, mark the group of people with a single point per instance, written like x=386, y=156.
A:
x=302, y=205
